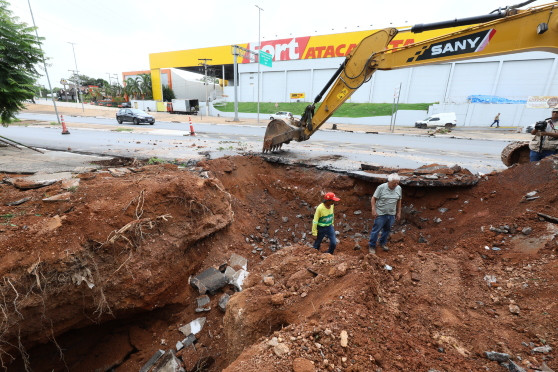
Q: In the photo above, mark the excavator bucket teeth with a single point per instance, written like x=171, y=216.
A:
x=277, y=133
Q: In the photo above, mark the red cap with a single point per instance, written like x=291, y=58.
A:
x=331, y=196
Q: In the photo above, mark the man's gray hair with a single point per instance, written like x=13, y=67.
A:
x=394, y=177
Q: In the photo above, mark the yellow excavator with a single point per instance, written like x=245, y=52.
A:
x=503, y=31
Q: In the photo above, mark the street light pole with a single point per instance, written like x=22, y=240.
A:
x=204, y=64
x=77, y=75
x=110, y=82
x=259, y=49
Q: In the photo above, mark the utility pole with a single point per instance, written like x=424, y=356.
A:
x=204, y=64
x=110, y=82
x=258, y=60
x=77, y=75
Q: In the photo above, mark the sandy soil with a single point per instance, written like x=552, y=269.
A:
x=99, y=279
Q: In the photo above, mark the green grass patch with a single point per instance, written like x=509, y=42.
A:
x=152, y=161
x=122, y=130
x=348, y=110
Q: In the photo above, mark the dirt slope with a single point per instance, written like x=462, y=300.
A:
x=449, y=289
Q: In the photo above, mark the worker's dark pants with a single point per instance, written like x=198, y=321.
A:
x=536, y=156
x=497, y=122
x=382, y=223
x=324, y=231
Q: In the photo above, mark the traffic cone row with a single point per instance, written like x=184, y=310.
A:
x=192, y=133
x=64, y=129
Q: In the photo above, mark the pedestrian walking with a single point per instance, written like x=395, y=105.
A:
x=386, y=209
x=322, y=225
x=496, y=121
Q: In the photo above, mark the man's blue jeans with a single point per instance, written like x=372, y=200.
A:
x=536, y=156
x=382, y=223
x=324, y=231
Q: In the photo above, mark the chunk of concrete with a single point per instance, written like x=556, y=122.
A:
x=192, y=328
x=63, y=197
x=168, y=363
x=497, y=357
x=147, y=366
x=186, y=342
x=71, y=183
x=238, y=261
x=229, y=274
x=203, y=304
x=18, y=202
x=223, y=301
x=209, y=280
x=238, y=279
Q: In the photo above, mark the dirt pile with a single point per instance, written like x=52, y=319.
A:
x=469, y=270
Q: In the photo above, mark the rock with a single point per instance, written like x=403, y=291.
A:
x=514, y=309
x=268, y=280
x=71, y=183
x=18, y=202
x=203, y=304
x=303, y=365
x=118, y=172
x=357, y=212
x=168, y=363
x=278, y=299
x=422, y=239
x=513, y=367
x=285, y=219
x=223, y=301
x=530, y=194
x=526, y=231
x=415, y=277
x=209, y=280
x=497, y=357
x=147, y=366
x=192, y=328
x=281, y=349
x=238, y=262
x=238, y=279
x=64, y=197
x=437, y=220
x=442, y=210
x=344, y=338
x=542, y=349
x=229, y=274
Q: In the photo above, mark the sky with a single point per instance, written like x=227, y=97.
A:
x=114, y=36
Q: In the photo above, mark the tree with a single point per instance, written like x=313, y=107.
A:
x=168, y=94
x=132, y=88
x=19, y=52
x=144, y=81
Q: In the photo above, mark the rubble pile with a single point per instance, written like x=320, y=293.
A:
x=210, y=268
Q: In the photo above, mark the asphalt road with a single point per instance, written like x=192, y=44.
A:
x=336, y=149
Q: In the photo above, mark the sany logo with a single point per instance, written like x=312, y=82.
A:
x=472, y=43
x=283, y=49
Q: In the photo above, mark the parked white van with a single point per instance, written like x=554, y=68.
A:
x=445, y=119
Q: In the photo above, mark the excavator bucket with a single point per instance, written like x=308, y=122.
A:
x=279, y=132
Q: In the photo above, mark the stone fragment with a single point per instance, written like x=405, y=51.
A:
x=497, y=357
x=223, y=301
x=229, y=274
x=118, y=172
x=203, y=303
x=192, y=328
x=303, y=365
x=527, y=231
x=18, y=202
x=513, y=367
x=281, y=349
x=437, y=220
x=344, y=338
x=168, y=363
x=64, y=197
x=542, y=349
x=71, y=183
x=285, y=219
x=415, y=277
x=357, y=212
x=273, y=342
x=237, y=261
x=186, y=342
x=514, y=309
x=209, y=280
x=268, y=280
x=238, y=279
x=278, y=299
x=147, y=366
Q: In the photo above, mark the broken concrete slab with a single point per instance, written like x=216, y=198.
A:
x=118, y=172
x=64, y=197
x=168, y=363
x=236, y=262
x=209, y=280
x=229, y=274
x=18, y=202
x=186, y=342
x=238, y=279
x=71, y=183
x=203, y=303
x=192, y=328
x=418, y=181
x=223, y=301
x=147, y=366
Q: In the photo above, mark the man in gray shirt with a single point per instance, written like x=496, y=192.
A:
x=386, y=209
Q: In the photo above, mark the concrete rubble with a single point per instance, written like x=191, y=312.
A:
x=192, y=328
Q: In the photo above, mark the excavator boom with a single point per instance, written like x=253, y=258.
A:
x=507, y=31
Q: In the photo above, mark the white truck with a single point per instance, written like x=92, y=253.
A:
x=445, y=119
x=185, y=106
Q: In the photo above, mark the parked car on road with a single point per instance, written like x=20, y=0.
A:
x=281, y=115
x=446, y=119
x=134, y=115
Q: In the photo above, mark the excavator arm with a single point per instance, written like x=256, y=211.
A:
x=506, y=31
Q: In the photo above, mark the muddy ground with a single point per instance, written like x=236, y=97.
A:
x=99, y=280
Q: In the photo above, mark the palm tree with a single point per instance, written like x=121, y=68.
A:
x=132, y=88
x=144, y=82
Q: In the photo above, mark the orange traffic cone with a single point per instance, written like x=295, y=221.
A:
x=192, y=133
x=64, y=129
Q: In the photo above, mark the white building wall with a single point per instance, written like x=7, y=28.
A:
x=513, y=76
